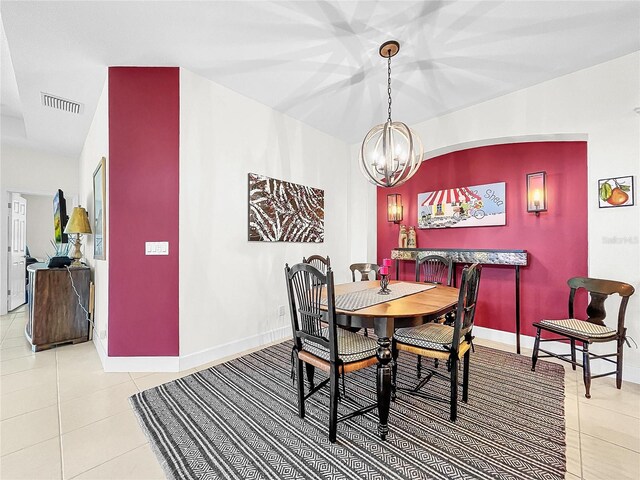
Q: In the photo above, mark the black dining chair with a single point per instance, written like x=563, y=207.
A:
x=444, y=342
x=434, y=269
x=591, y=330
x=326, y=347
x=439, y=270
x=318, y=261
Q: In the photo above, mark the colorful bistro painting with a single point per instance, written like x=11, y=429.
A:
x=281, y=211
x=615, y=192
x=474, y=206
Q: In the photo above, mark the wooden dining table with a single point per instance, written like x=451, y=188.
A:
x=384, y=318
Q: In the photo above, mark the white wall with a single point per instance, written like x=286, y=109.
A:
x=40, y=230
x=230, y=289
x=29, y=171
x=597, y=102
x=95, y=147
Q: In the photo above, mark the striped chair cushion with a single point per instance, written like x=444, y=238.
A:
x=352, y=347
x=432, y=336
x=577, y=327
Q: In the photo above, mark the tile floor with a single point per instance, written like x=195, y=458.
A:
x=63, y=417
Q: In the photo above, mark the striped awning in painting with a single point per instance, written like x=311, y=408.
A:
x=450, y=195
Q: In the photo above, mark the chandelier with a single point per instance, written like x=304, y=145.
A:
x=391, y=153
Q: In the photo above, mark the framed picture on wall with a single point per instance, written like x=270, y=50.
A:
x=99, y=204
x=615, y=192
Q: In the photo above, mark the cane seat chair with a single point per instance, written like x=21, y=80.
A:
x=365, y=270
x=591, y=330
x=444, y=342
x=317, y=345
x=434, y=269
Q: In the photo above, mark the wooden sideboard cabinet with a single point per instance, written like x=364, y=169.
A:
x=55, y=314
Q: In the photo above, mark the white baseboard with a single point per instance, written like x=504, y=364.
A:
x=629, y=374
x=181, y=363
x=232, y=348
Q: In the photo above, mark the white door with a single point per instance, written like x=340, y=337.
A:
x=17, y=243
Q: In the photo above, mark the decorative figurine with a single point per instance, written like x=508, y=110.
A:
x=411, y=242
x=402, y=237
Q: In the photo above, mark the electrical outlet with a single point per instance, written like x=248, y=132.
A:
x=281, y=311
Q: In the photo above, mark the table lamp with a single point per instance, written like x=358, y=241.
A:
x=78, y=224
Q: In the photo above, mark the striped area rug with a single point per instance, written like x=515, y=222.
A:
x=239, y=421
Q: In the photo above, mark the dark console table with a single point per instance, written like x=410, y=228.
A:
x=514, y=258
x=56, y=313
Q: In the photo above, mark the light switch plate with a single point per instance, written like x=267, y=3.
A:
x=156, y=248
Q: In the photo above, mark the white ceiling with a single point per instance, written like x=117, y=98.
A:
x=316, y=61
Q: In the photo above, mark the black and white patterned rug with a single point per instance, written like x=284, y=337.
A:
x=239, y=421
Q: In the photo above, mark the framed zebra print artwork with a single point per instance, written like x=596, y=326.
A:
x=282, y=211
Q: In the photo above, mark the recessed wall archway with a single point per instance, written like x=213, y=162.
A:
x=557, y=240
x=486, y=142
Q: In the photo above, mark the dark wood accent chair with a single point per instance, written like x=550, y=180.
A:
x=318, y=261
x=444, y=342
x=434, y=269
x=591, y=330
x=365, y=270
x=328, y=348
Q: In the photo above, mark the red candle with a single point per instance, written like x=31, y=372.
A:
x=384, y=270
x=386, y=262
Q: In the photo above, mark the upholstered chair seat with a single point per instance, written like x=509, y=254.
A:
x=352, y=347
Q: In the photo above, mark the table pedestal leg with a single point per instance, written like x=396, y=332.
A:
x=384, y=384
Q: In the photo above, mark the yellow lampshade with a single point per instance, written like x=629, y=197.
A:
x=79, y=222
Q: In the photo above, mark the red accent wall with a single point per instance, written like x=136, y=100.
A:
x=556, y=240
x=143, y=164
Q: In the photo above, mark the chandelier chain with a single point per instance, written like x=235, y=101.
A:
x=389, y=82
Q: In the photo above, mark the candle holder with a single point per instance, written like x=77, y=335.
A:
x=384, y=283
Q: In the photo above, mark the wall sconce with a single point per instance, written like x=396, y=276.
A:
x=394, y=208
x=537, y=192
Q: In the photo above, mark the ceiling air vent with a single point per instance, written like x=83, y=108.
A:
x=52, y=101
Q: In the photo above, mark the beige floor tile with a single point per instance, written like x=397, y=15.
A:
x=156, y=379
x=571, y=476
x=38, y=462
x=617, y=428
x=44, y=359
x=15, y=342
x=29, y=429
x=16, y=330
x=606, y=395
x=571, y=417
x=136, y=375
x=4, y=328
x=28, y=400
x=69, y=354
x=82, y=368
x=26, y=379
x=84, y=410
x=574, y=462
x=605, y=461
x=99, y=442
x=138, y=464
x=10, y=353
x=87, y=383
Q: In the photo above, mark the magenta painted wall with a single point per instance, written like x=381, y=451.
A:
x=143, y=164
x=556, y=240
